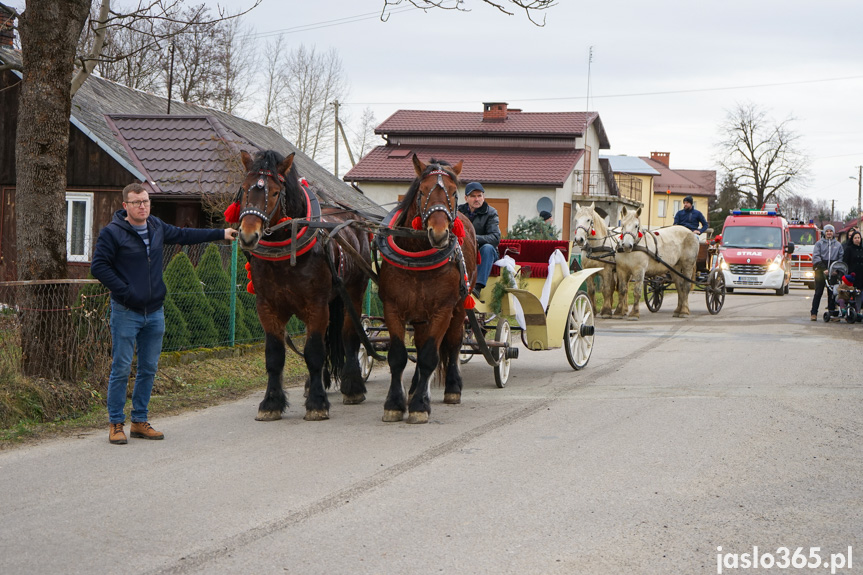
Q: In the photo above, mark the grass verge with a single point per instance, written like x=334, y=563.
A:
x=33, y=410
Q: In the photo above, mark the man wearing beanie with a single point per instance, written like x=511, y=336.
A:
x=690, y=218
x=826, y=251
x=486, y=223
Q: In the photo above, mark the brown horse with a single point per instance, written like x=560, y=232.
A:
x=292, y=275
x=424, y=282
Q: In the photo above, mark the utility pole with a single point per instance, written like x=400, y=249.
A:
x=336, y=153
x=832, y=205
x=171, y=77
x=859, y=188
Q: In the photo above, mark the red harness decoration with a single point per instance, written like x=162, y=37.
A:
x=288, y=241
x=232, y=214
x=457, y=228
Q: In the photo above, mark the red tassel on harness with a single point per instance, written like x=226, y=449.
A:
x=639, y=234
x=248, y=267
x=621, y=236
x=593, y=232
x=250, y=288
x=469, y=303
x=232, y=214
x=656, y=233
x=417, y=223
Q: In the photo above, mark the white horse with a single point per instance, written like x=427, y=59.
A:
x=641, y=253
x=593, y=236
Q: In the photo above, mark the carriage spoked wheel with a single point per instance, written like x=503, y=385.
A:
x=579, y=332
x=714, y=292
x=654, y=290
x=501, y=370
x=463, y=358
x=366, y=361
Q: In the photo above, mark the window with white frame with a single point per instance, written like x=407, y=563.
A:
x=660, y=212
x=79, y=226
x=677, y=206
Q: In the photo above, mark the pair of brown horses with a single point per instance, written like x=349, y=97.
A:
x=296, y=270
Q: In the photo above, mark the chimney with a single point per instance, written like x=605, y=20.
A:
x=661, y=157
x=7, y=26
x=493, y=111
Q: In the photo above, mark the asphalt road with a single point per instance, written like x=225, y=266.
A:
x=680, y=436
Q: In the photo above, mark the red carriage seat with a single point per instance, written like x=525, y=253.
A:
x=532, y=253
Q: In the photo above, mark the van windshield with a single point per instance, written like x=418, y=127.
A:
x=752, y=237
x=803, y=236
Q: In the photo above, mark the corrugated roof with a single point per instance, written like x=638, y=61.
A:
x=183, y=154
x=98, y=98
x=486, y=165
x=430, y=122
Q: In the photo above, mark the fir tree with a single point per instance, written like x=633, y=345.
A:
x=189, y=296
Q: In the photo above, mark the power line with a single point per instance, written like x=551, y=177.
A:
x=631, y=95
x=329, y=23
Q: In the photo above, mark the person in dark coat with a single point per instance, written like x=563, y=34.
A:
x=826, y=251
x=690, y=218
x=128, y=261
x=486, y=224
x=853, y=257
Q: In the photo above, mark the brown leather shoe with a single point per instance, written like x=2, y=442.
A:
x=144, y=430
x=116, y=435
x=813, y=317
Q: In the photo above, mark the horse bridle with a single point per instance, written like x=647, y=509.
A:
x=424, y=211
x=261, y=184
x=636, y=236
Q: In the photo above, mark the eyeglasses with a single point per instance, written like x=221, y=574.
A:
x=139, y=204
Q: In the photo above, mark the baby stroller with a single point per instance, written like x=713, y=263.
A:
x=847, y=297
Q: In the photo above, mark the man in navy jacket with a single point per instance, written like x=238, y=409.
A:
x=690, y=218
x=128, y=261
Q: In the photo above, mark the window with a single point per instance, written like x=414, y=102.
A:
x=79, y=226
x=677, y=206
x=660, y=212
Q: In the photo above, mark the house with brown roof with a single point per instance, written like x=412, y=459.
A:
x=526, y=161
x=671, y=186
x=118, y=135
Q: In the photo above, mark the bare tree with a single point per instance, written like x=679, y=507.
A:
x=311, y=82
x=365, y=138
x=194, y=58
x=761, y=155
x=530, y=7
x=233, y=64
x=275, y=81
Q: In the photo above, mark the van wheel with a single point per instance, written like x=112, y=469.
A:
x=787, y=286
x=780, y=291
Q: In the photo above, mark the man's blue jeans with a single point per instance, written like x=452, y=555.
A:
x=488, y=255
x=129, y=330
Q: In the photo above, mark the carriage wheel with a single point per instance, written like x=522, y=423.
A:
x=714, y=293
x=501, y=370
x=654, y=290
x=579, y=332
x=463, y=358
x=366, y=361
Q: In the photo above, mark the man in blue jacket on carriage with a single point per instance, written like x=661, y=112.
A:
x=486, y=224
x=128, y=261
x=690, y=218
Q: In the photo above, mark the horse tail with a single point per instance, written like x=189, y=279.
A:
x=335, y=360
x=442, y=368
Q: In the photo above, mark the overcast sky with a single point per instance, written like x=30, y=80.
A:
x=663, y=76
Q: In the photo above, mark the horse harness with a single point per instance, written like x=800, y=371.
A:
x=424, y=211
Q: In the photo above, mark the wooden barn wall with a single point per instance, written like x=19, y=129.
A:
x=89, y=165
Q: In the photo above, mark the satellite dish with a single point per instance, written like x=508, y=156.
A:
x=545, y=204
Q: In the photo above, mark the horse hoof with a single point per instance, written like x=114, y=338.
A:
x=605, y=315
x=418, y=417
x=452, y=398
x=268, y=415
x=317, y=415
x=392, y=416
x=353, y=399
x=632, y=318
x=682, y=315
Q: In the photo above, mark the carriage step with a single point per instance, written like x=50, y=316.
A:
x=586, y=330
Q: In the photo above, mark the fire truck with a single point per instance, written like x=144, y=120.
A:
x=804, y=237
x=755, y=250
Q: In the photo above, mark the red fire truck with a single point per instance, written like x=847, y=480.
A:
x=755, y=250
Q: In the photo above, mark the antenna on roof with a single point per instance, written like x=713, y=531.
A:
x=589, y=61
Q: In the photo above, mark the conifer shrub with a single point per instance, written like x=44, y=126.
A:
x=217, y=287
x=188, y=295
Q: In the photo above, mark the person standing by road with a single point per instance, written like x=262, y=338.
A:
x=128, y=261
x=853, y=257
x=690, y=218
x=486, y=223
x=826, y=251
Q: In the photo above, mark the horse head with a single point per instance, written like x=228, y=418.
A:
x=266, y=194
x=585, y=224
x=436, y=199
x=630, y=230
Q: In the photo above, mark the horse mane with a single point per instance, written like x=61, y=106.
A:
x=268, y=161
x=411, y=195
